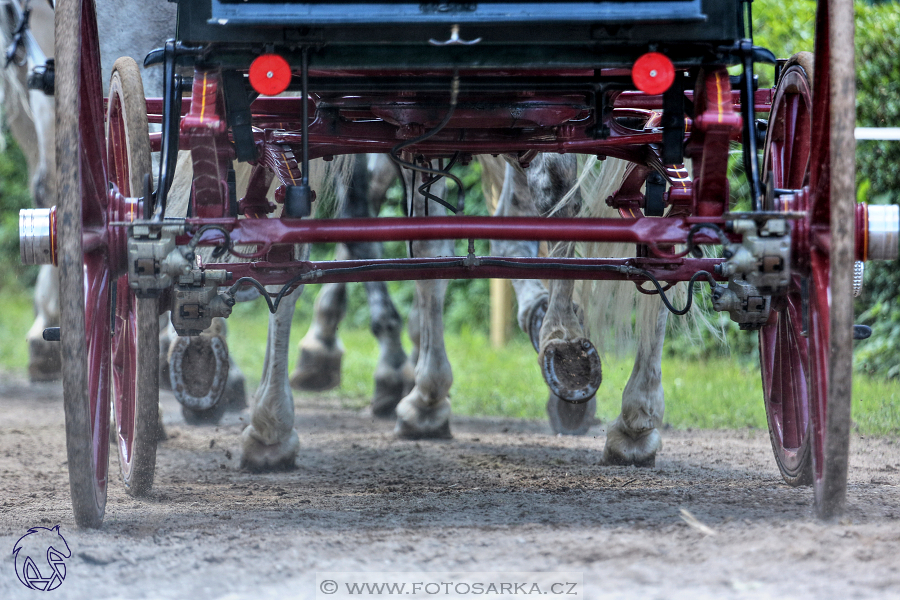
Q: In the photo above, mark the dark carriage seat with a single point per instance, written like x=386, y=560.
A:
x=527, y=34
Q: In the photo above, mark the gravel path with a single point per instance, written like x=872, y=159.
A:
x=502, y=496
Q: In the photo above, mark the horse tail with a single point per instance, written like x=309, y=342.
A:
x=615, y=313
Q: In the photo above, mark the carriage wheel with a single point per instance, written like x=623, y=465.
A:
x=796, y=343
x=135, y=339
x=784, y=344
x=84, y=270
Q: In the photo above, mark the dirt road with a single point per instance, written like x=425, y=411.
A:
x=503, y=495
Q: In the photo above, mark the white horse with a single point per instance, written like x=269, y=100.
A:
x=546, y=315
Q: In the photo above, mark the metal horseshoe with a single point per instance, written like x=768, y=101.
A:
x=454, y=39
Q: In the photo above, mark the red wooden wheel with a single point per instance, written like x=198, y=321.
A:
x=83, y=256
x=135, y=338
x=797, y=348
x=784, y=342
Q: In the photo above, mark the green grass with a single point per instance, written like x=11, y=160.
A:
x=15, y=320
x=715, y=392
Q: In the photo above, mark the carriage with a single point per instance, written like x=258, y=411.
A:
x=278, y=84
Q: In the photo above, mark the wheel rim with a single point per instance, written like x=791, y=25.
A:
x=789, y=379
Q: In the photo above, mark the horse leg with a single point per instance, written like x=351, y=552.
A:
x=425, y=411
x=270, y=442
x=633, y=438
x=319, y=364
x=569, y=362
x=515, y=200
x=532, y=298
x=43, y=356
x=395, y=373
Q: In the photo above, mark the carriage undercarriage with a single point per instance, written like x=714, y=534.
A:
x=609, y=84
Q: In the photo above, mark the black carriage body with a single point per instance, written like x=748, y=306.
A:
x=527, y=34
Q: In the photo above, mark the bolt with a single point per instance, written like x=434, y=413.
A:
x=653, y=73
x=270, y=74
x=586, y=345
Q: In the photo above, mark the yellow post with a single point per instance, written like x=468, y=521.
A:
x=501, y=309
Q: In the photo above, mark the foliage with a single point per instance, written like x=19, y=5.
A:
x=878, y=105
x=14, y=194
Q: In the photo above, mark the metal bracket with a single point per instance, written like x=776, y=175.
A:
x=454, y=39
x=673, y=123
x=238, y=115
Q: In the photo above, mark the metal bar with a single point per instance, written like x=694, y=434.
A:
x=409, y=269
x=267, y=232
x=887, y=134
x=288, y=108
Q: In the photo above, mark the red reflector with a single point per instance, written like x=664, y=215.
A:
x=270, y=74
x=653, y=73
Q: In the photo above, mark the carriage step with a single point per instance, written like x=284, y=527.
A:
x=862, y=332
x=51, y=334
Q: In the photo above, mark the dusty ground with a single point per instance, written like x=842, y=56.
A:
x=503, y=495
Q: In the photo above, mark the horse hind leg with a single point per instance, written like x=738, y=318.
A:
x=633, y=438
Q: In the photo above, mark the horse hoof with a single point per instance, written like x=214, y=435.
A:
x=318, y=369
x=416, y=421
x=391, y=385
x=567, y=418
x=626, y=450
x=44, y=361
x=571, y=369
x=258, y=457
x=198, y=371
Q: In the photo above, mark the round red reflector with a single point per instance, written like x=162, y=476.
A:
x=270, y=74
x=653, y=73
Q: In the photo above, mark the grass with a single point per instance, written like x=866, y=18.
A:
x=702, y=394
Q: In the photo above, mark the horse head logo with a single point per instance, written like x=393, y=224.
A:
x=40, y=558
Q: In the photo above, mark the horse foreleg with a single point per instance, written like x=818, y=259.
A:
x=270, y=441
x=515, y=200
x=633, y=438
x=425, y=411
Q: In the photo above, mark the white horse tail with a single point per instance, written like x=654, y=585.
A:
x=616, y=312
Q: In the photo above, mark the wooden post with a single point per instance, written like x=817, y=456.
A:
x=843, y=194
x=501, y=309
